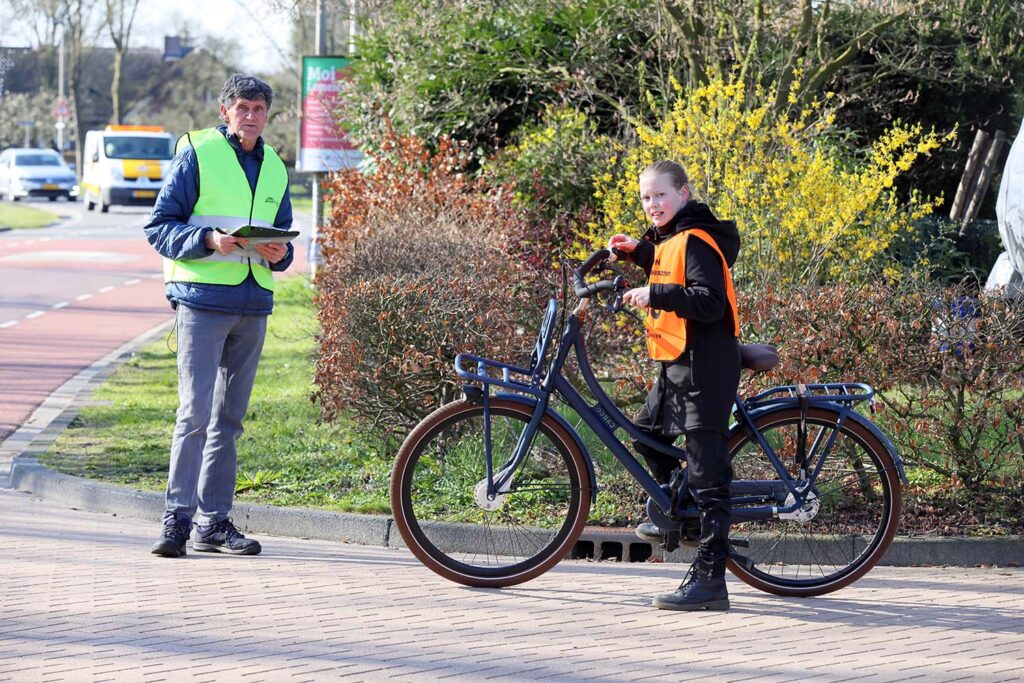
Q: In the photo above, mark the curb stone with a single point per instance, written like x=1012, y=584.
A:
x=19, y=450
x=29, y=475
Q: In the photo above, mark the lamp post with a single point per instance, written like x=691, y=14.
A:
x=60, y=91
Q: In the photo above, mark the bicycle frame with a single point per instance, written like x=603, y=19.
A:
x=604, y=419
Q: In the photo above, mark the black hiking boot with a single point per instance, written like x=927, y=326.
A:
x=223, y=537
x=172, y=540
x=650, y=532
x=689, y=535
x=703, y=588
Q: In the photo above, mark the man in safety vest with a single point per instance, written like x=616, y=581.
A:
x=222, y=290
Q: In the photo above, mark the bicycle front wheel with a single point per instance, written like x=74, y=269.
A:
x=438, y=495
x=847, y=524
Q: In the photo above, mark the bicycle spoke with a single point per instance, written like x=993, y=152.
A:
x=522, y=524
x=817, y=544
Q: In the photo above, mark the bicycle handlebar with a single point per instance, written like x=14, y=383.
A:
x=583, y=290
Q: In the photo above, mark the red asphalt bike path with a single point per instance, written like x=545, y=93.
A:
x=52, y=342
x=45, y=343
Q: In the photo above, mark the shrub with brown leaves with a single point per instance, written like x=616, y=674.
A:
x=947, y=365
x=416, y=270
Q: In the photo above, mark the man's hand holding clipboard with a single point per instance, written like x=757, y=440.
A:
x=267, y=243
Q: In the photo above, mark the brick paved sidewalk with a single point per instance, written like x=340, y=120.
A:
x=82, y=600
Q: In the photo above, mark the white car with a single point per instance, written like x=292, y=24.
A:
x=30, y=172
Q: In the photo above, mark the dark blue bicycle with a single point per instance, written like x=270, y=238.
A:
x=495, y=489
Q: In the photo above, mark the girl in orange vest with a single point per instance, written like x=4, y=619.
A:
x=692, y=329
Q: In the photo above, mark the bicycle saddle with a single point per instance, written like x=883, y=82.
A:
x=758, y=357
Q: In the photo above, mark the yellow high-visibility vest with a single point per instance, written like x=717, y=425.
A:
x=226, y=201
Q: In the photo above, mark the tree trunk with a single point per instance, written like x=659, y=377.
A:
x=120, y=15
x=115, y=87
x=800, y=43
x=691, y=29
x=754, y=48
x=74, y=85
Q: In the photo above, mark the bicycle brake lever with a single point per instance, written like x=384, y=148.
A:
x=615, y=305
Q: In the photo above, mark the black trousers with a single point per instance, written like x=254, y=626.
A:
x=709, y=473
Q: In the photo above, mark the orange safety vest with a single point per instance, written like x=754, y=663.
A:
x=666, y=331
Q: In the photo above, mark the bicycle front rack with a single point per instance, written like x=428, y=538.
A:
x=491, y=372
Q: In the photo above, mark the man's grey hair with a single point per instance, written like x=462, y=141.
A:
x=245, y=87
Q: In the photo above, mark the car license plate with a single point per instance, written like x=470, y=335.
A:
x=144, y=194
x=50, y=186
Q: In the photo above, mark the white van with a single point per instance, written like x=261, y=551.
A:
x=125, y=165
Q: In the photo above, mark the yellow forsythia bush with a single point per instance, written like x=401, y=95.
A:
x=808, y=211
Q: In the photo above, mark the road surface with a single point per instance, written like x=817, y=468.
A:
x=70, y=295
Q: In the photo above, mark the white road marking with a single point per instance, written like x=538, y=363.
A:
x=72, y=256
x=69, y=256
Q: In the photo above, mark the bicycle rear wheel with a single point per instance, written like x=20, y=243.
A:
x=438, y=501
x=839, y=535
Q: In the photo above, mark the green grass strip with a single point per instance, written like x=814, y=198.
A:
x=24, y=217
x=286, y=456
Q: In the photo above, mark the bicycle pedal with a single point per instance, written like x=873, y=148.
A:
x=739, y=543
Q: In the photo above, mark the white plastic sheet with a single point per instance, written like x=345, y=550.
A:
x=1010, y=217
x=1004, y=277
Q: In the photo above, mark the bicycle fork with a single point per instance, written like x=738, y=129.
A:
x=490, y=492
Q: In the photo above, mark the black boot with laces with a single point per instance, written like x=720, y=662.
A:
x=703, y=588
x=650, y=532
x=223, y=537
x=172, y=540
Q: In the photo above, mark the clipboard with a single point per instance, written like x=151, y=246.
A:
x=261, y=235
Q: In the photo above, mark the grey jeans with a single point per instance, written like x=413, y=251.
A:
x=218, y=354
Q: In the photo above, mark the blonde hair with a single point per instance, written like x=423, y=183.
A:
x=673, y=169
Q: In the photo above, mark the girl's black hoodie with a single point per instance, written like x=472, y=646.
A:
x=695, y=391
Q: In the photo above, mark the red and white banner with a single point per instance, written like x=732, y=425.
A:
x=322, y=142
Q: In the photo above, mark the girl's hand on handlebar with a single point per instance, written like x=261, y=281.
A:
x=639, y=297
x=622, y=243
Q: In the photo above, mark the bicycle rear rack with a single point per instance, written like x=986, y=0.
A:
x=815, y=394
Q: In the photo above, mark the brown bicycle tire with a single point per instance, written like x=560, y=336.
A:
x=406, y=524
x=884, y=463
